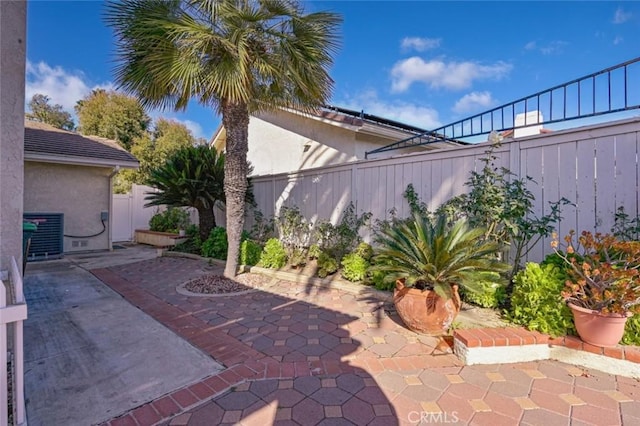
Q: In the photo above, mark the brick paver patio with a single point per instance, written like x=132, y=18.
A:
x=299, y=354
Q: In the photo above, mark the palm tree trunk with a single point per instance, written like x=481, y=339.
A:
x=206, y=221
x=235, y=118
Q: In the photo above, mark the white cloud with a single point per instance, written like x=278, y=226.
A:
x=61, y=86
x=196, y=129
x=474, y=101
x=404, y=112
x=552, y=47
x=618, y=40
x=620, y=17
x=449, y=75
x=420, y=44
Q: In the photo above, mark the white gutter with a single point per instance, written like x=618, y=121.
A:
x=79, y=161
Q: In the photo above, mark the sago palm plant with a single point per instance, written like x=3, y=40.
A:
x=430, y=254
x=192, y=177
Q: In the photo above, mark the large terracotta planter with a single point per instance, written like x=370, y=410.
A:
x=424, y=311
x=598, y=329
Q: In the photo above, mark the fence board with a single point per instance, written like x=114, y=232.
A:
x=567, y=187
x=585, y=192
x=627, y=174
x=605, y=183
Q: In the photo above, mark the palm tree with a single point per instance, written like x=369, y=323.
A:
x=237, y=56
x=192, y=177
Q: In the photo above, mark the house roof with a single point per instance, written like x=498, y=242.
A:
x=43, y=142
x=356, y=121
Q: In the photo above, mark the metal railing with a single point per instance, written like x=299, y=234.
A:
x=611, y=90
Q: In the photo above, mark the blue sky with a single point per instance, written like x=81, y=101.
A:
x=422, y=62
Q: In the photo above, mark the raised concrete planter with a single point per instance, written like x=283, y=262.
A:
x=158, y=239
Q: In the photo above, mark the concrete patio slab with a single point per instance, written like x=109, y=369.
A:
x=90, y=355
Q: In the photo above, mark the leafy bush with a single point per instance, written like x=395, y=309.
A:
x=489, y=294
x=294, y=230
x=625, y=227
x=273, y=255
x=365, y=251
x=171, y=220
x=356, y=264
x=193, y=244
x=632, y=331
x=536, y=302
x=354, y=267
x=298, y=258
x=262, y=228
x=503, y=205
x=250, y=252
x=216, y=245
x=314, y=251
x=327, y=265
x=338, y=240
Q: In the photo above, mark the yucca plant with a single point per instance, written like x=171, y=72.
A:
x=428, y=254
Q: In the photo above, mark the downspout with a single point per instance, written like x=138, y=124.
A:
x=115, y=171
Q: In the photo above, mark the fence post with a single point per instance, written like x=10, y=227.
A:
x=18, y=347
x=4, y=397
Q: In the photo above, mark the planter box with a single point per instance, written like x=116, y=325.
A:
x=158, y=239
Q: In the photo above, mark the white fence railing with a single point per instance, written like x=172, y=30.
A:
x=14, y=314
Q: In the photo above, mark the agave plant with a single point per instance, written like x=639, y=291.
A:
x=430, y=254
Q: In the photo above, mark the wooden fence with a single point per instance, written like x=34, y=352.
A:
x=595, y=167
x=15, y=314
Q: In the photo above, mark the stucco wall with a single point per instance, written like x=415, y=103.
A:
x=277, y=143
x=12, y=68
x=79, y=192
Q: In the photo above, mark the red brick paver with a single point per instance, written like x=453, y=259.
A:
x=297, y=354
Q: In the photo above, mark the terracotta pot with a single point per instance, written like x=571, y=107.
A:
x=425, y=311
x=598, y=329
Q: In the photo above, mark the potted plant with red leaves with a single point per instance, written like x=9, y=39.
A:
x=603, y=289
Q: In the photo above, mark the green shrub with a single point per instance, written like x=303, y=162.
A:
x=632, y=331
x=354, y=267
x=273, y=255
x=298, y=257
x=365, y=251
x=193, y=244
x=327, y=265
x=216, y=245
x=250, y=252
x=536, y=302
x=314, y=251
x=338, y=240
x=171, y=220
x=491, y=294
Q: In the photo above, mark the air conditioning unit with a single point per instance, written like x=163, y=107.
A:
x=47, y=242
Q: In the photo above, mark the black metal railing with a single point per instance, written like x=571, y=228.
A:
x=611, y=90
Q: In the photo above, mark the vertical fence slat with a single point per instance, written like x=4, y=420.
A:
x=4, y=417
x=585, y=195
x=627, y=173
x=605, y=183
x=567, y=187
x=18, y=346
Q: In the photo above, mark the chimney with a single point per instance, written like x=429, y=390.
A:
x=532, y=119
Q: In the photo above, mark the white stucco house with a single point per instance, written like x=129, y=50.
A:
x=288, y=140
x=68, y=179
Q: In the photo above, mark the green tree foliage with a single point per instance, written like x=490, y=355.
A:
x=153, y=149
x=235, y=56
x=44, y=112
x=112, y=115
x=192, y=177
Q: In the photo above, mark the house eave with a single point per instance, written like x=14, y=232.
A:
x=79, y=161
